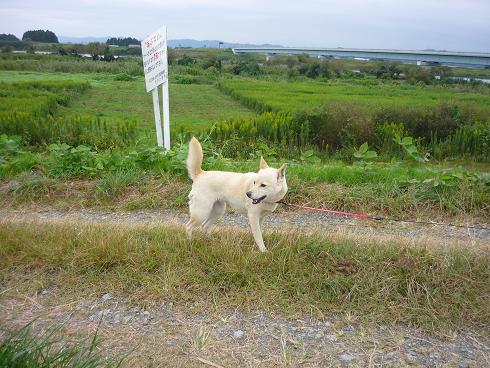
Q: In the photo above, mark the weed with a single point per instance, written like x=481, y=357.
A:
x=113, y=183
x=123, y=77
x=29, y=186
x=411, y=149
x=24, y=348
x=200, y=338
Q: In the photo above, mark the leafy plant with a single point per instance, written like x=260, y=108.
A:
x=309, y=156
x=364, y=153
x=411, y=149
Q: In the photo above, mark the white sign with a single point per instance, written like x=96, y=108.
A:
x=154, y=50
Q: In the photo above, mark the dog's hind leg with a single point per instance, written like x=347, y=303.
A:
x=218, y=210
x=199, y=209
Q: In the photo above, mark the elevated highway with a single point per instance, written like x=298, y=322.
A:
x=451, y=58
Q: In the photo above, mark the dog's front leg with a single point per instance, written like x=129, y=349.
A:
x=254, y=221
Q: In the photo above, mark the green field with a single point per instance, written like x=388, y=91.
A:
x=192, y=106
x=371, y=94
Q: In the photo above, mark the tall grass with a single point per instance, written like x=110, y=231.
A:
x=345, y=128
x=275, y=127
x=465, y=141
x=341, y=115
x=72, y=130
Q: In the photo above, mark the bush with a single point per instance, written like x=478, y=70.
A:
x=246, y=68
x=441, y=119
x=466, y=141
x=186, y=60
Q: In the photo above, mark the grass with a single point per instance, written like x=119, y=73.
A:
x=384, y=282
x=373, y=95
x=24, y=348
x=193, y=107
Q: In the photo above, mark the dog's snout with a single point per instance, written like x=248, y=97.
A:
x=249, y=194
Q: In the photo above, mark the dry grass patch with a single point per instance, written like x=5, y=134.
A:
x=113, y=191
x=383, y=282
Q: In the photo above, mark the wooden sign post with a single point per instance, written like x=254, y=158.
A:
x=155, y=64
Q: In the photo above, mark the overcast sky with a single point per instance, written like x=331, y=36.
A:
x=460, y=25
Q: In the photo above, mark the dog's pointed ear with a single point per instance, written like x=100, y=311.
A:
x=281, y=172
x=263, y=164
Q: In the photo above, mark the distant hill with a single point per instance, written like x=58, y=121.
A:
x=81, y=40
x=185, y=42
x=212, y=44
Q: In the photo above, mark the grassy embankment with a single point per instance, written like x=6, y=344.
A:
x=399, y=191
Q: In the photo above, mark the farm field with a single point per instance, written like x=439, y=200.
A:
x=372, y=95
x=192, y=106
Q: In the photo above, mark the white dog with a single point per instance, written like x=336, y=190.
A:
x=253, y=194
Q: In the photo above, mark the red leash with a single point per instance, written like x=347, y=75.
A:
x=378, y=218
x=333, y=212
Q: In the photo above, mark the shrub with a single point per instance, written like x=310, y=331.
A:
x=246, y=68
x=186, y=60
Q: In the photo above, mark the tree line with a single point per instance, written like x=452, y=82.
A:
x=119, y=41
x=40, y=36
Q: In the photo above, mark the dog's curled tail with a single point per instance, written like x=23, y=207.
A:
x=194, y=158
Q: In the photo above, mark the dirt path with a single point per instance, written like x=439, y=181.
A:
x=302, y=220
x=168, y=335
